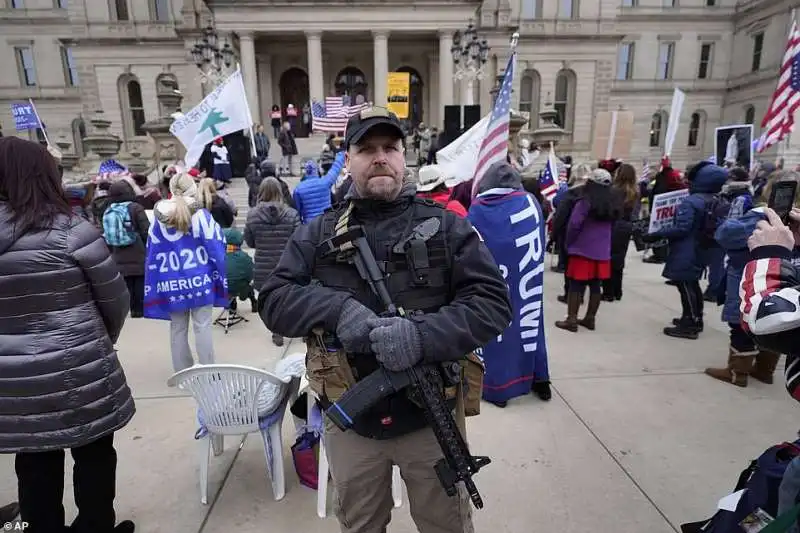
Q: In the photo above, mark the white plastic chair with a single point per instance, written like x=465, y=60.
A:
x=237, y=400
x=322, y=477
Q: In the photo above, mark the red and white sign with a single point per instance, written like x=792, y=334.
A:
x=662, y=212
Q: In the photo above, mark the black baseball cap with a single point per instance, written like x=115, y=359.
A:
x=359, y=124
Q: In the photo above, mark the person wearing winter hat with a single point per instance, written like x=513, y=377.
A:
x=194, y=283
x=431, y=185
x=313, y=196
x=687, y=259
x=588, y=242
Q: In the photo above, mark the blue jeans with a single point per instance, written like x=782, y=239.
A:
x=789, y=490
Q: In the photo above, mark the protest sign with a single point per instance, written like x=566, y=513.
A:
x=662, y=212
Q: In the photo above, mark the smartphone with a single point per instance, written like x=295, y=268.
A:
x=781, y=200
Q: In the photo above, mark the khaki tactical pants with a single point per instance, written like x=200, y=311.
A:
x=361, y=469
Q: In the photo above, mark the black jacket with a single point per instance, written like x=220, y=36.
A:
x=268, y=228
x=479, y=308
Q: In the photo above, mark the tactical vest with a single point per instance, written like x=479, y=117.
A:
x=418, y=279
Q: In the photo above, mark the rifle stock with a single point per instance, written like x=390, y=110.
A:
x=457, y=464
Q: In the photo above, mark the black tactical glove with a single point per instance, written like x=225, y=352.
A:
x=352, y=329
x=396, y=342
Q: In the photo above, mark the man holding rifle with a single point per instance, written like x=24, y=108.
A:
x=435, y=296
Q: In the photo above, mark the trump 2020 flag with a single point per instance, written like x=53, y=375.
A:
x=185, y=270
x=222, y=112
x=512, y=226
x=25, y=116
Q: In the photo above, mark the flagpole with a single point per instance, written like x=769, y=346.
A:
x=41, y=124
x=784, y=147
x=247, y=105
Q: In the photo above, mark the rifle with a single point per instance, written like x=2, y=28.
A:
x=458, y=464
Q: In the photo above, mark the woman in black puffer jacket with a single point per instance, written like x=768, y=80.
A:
x=625, y=185
x=63, y=386
x=268, y=228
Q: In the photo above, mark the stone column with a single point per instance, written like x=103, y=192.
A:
x=381, y=46
x=315, y=80
x=250, y=74
x=445, y=72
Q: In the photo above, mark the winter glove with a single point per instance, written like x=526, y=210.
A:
x=352, y=329
x=396, y=342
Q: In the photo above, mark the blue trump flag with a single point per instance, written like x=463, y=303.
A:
x=512, y=227
x=25, y=116
x=185, y=270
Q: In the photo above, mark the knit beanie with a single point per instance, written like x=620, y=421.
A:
x=600, y=176
x=183, y=185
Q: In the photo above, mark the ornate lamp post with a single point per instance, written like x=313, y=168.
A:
x=212, y=60
x=470, y=54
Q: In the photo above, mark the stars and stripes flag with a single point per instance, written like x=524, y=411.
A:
x=111, y=169
x=494, y=147
x=549, y=180
x=333, y=114
x=779, y=119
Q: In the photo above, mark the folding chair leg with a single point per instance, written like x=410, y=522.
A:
x=397, y=486
x=322, y=481
x=204, y=446
x=273, y=451
x=217, y=444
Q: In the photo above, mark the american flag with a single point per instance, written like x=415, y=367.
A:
x=779, y=119
x=548, y=181
x=333, y=114
x=111, y=169
x=494, y=147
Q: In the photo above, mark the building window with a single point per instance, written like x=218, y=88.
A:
x=657, y=124
x=159, y=10
x=70, y=69
x=16, y=4
x=625, y=61
x=568, y=9
x=564, y=101
x=758, y=45
x=132, y=106
x=630, y=3
x=531, y=9
x=26, y=66
x=670, y=3
x=749, y=114
x=61, y=4
x=78, y=134
x=119, y=10
x=694, y=129
x=666, y=52
x=711, y=3
x=529, y=93
x=706, y=57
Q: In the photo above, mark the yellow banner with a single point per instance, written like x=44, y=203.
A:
x=398, y=87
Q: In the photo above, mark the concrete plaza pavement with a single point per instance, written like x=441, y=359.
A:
x=636, y=439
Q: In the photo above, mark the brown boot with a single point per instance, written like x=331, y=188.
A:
x=573, y=306
x=739, y=366
x=591, y=311
x=764, y=367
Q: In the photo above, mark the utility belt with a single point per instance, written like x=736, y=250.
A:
x=331, y=372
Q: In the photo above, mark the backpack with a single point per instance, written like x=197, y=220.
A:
x=117, y=225
x=761, y=481
x=715, y=211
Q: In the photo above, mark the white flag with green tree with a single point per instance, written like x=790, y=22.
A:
x=223, y=111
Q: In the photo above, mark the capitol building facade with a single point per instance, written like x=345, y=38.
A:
x=74, y=57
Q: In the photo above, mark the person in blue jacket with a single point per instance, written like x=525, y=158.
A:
x=744, y=357
x=687, y=259
x=312, y=196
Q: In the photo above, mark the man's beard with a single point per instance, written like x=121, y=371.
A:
x=383, y=184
